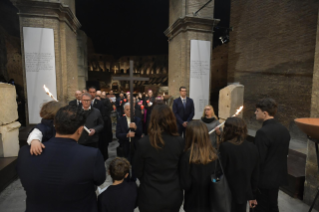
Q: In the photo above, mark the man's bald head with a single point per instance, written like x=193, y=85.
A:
x=78, y=95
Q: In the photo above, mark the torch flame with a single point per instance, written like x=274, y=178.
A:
x=238, y=111
x=49, y=93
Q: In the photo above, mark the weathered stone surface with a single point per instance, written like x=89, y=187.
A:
x=312, y=172
x=64, y=23
x=82, y=59
x=230, y=99
x=9, y=143
x=8, y=106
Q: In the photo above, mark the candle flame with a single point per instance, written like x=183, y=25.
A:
x=238, y=110
x=49, y=93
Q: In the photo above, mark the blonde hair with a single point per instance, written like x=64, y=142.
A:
x=213, y=112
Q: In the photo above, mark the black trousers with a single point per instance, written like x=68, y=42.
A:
x=236, y=207
x=267, y=200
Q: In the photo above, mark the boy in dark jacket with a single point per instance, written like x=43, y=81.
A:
x=121, y=196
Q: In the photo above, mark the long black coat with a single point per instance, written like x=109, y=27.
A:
x=240, y=163
x=63, y=178
x=94, y=120
x=272, y=141
x=158, y=172
x=195, y=180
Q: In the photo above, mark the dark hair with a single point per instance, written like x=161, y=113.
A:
x=68, y=119
x=118, y=168
x=162, y=120
x=269, y=105
x=92, y=87
x=235, y=128
x=182, y=87
x=49, y=109
x=199, y=144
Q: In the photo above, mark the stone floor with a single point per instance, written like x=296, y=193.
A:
x=12, y=199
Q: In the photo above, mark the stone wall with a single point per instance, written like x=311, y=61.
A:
x=82, y=59
x=219, y=63
x=271, y=52
x=312, y=177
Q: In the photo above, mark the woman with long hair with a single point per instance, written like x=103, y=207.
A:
x=156, y=163
x=197, y=166
x=211, y=121
x=239, y=159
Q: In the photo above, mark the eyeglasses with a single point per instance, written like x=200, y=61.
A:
x=207, y=108
x=86, y=100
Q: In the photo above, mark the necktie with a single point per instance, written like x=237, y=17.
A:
x=184, y=103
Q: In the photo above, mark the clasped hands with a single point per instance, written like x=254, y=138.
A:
x=131, y=134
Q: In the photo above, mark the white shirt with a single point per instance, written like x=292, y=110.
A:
x=183, y=99
x=78, y=102
x=35, y=134
x=92, y=102
x=87, y=109
x=113, y=99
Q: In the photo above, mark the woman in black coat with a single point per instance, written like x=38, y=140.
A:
x=156, y=163
x=197, y=166
x=239, y=159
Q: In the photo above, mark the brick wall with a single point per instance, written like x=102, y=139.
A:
x=271, y=52
x=219, y=63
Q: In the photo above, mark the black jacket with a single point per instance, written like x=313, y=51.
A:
x=94, y=120
x=240, y=163
x=122, y=130
x=158, y=172
x=183, y=114
x=63, y=178
x=272, y=142
x=74, y=103
x=47, y=129
x=118, y=198
x=195, y=180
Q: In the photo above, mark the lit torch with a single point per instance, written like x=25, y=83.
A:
x=236, y=114
x=49, y=93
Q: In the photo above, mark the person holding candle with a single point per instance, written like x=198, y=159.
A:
x=239, y=159
x=272, y=142
x=211, y=121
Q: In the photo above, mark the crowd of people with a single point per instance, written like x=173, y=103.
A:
x=173, y=157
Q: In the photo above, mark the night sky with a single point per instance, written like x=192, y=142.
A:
x=133, y=27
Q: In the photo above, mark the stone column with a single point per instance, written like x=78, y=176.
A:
x=185, y=26
x=59, y=16
x=312, y=172
x=82, y=60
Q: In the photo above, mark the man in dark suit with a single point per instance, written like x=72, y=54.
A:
x=94, y=122
x=272, y=142
x=106, y=135
x=148, y=105
x=65, y=176
x=128, y=132
x=183, y=108
x=77, y=100
x=95, y=102
x=119, y=104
